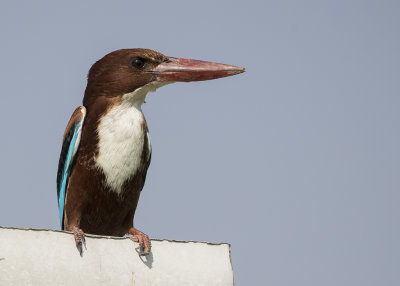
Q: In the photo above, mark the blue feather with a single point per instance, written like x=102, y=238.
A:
x=66, y=173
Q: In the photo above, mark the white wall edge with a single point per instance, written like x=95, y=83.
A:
x=50, y=257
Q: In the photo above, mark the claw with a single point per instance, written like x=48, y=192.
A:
x=79, y=236
x=142, y=239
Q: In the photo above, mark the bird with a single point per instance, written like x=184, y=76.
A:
x=106, y=148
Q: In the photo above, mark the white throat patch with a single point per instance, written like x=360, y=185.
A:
x=121, y=137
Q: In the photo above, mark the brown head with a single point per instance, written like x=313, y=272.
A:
x=123, y=71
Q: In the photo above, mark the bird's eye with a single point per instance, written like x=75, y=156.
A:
x=138, y=63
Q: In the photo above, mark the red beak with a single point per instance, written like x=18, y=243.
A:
x=176, y=69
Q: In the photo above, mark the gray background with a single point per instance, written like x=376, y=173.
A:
x=295, y=162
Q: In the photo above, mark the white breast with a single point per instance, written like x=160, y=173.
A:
x=121, y=139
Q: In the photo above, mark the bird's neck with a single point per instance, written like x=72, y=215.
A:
x=137, y=97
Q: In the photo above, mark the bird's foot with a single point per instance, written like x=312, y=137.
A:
x=143, y=239
x=79, y=238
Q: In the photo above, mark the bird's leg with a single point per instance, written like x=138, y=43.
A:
x=143, y=239
x=79, y=238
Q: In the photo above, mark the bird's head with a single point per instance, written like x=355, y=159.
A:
x=125, y=71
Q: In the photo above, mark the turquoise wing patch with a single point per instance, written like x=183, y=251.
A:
x=68, y=151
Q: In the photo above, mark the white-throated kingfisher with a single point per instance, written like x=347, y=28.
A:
x=106, y=146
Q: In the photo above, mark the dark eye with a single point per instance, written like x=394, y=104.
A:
x=138, y=63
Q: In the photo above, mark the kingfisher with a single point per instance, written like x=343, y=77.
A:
x=106, y=147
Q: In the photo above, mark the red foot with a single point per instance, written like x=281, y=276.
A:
x=143, y=239
x=79, y=237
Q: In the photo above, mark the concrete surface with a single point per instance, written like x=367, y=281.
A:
x=49, y=257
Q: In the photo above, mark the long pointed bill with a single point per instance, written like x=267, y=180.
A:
x=177, y=69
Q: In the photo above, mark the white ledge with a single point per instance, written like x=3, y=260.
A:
x=50, y=257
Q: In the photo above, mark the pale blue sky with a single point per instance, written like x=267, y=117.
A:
x=296, y=162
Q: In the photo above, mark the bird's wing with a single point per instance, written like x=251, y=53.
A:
x=72, y=137
x=146, y=167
